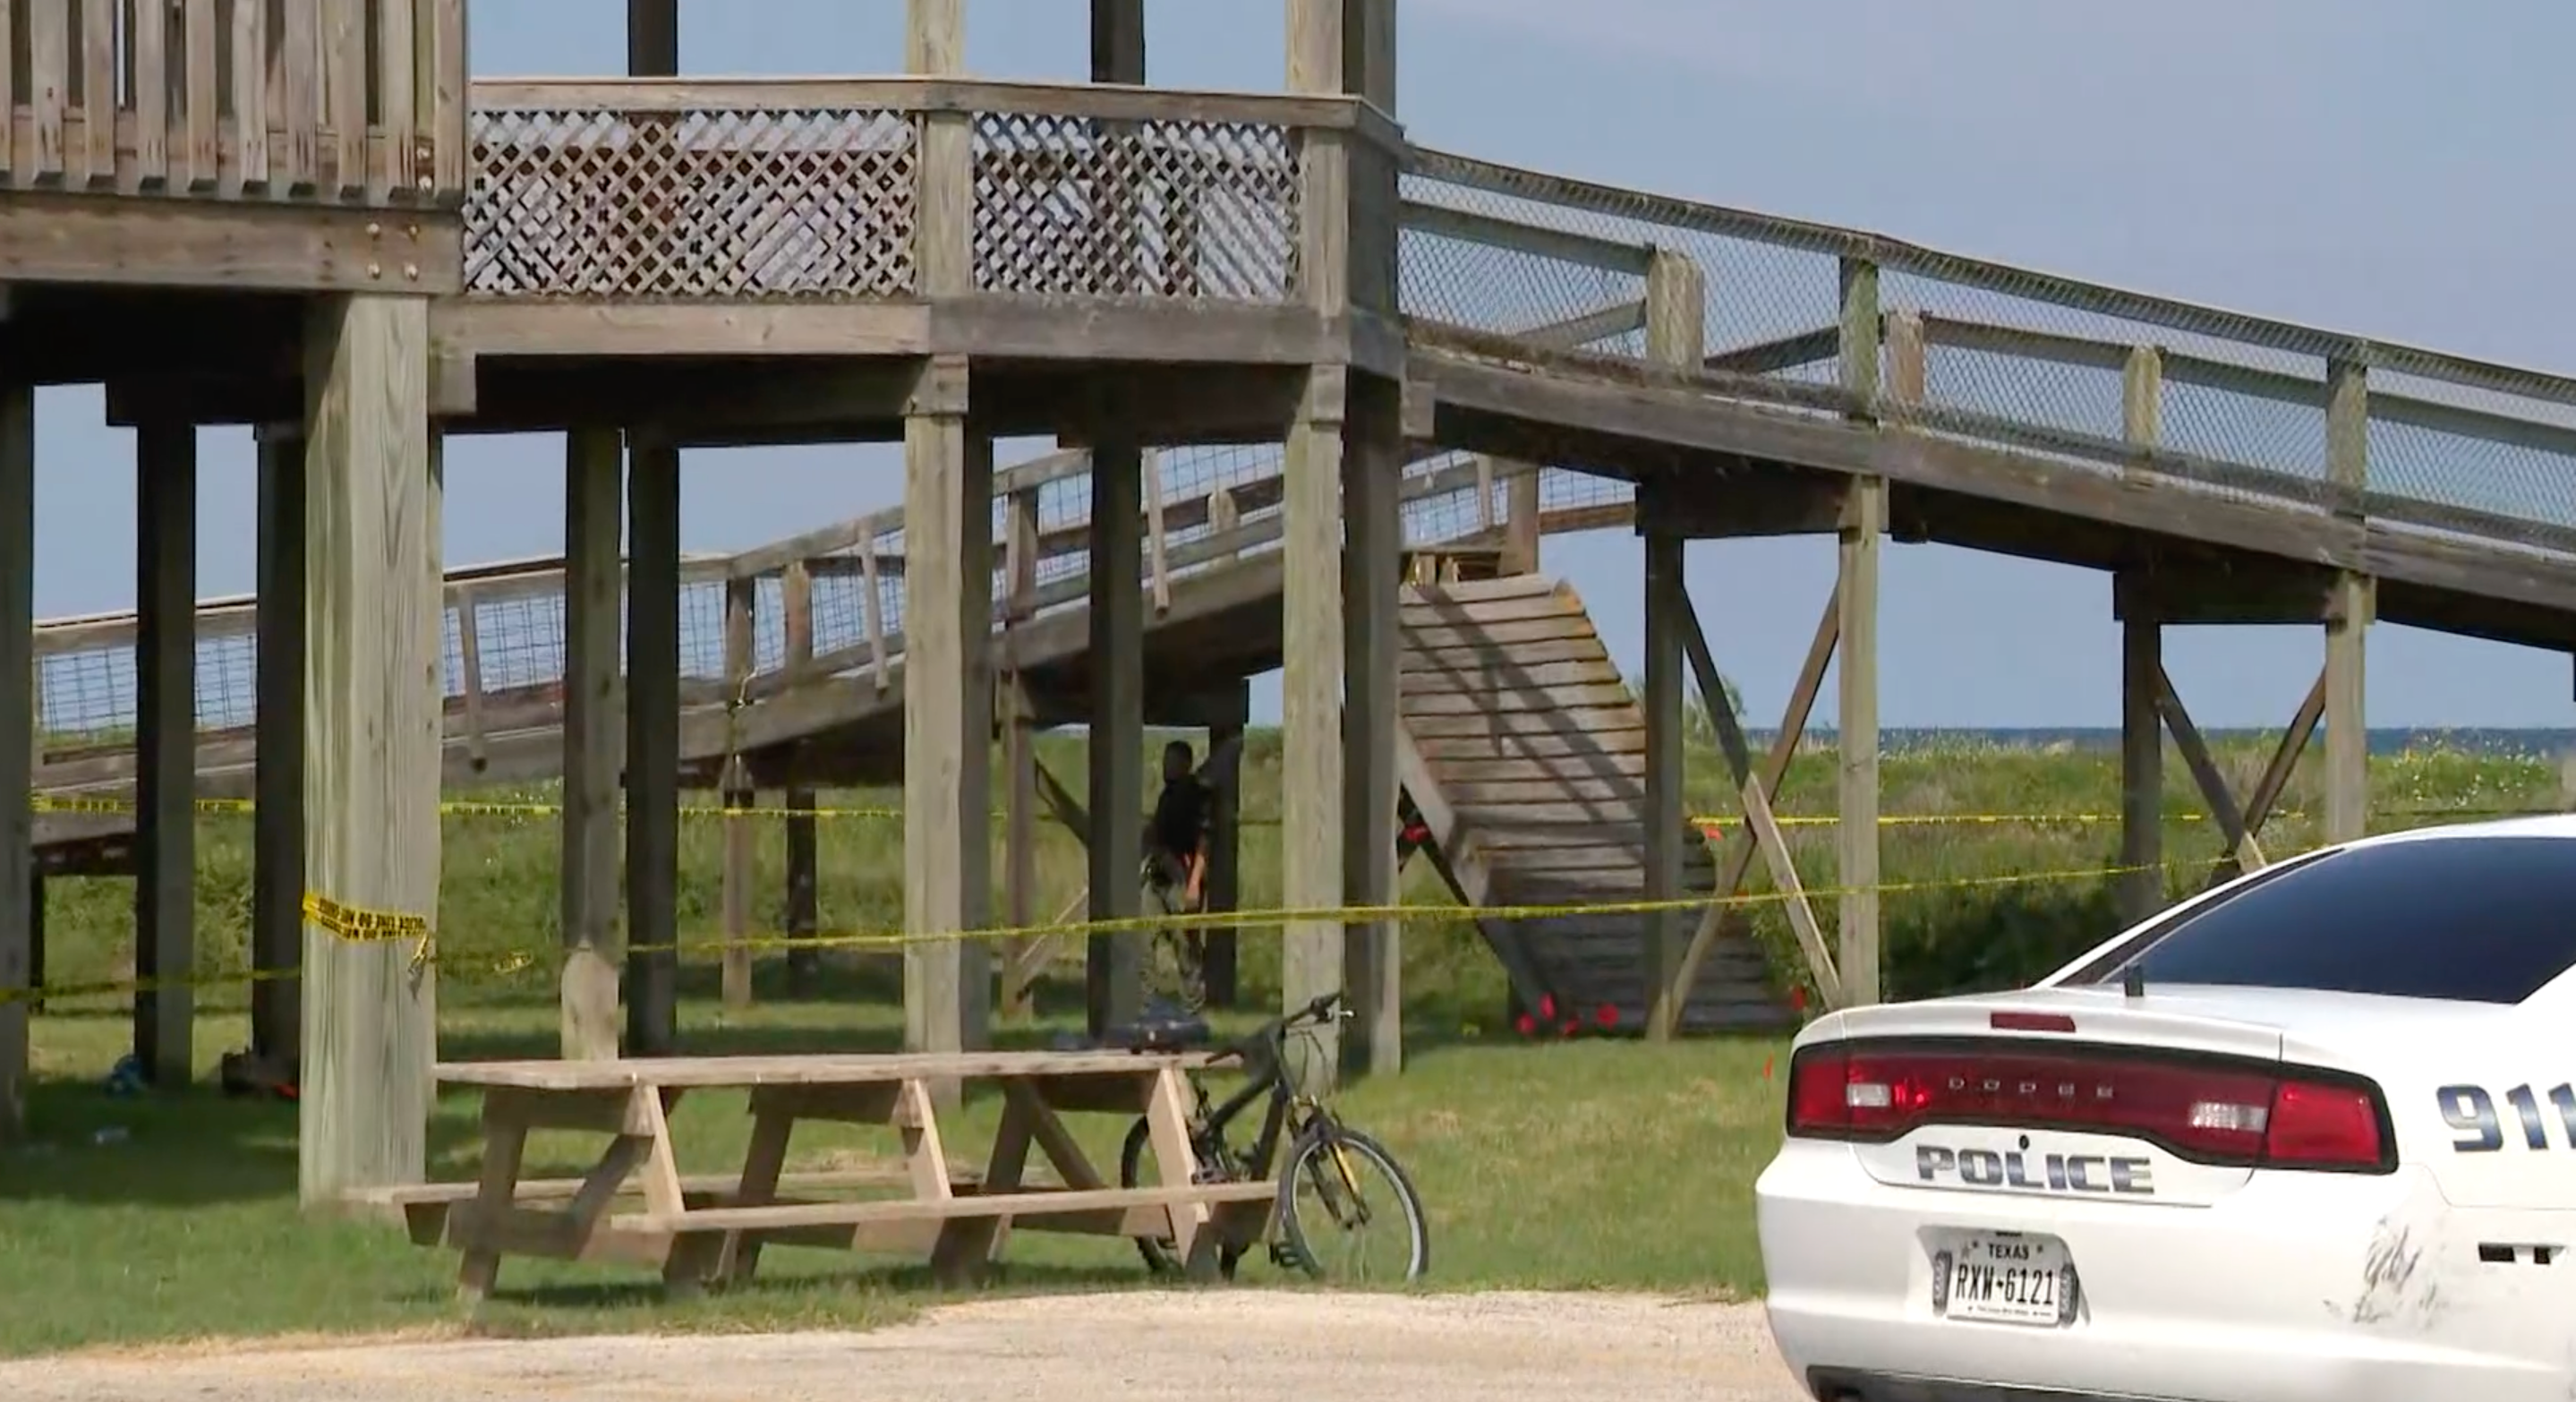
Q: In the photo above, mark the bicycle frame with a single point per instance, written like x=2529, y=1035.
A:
x=1271, y=1082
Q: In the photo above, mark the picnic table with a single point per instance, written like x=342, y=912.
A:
x=708, y=1230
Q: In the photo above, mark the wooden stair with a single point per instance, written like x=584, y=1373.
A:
x=1525, y=753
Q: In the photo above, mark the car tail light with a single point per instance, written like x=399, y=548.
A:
x=2205, y=1109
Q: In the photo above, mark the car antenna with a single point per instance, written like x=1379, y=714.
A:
x=2133, y=980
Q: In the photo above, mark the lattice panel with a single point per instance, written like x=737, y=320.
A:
x=1068, y=206
x=719, y=203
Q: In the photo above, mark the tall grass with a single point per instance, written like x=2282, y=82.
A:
x=2016, y=880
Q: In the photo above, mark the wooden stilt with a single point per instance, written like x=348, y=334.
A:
x=165, y=881
x=1373, y=953
x=948, y=727
x=593, y=732
x=18, y=880
x=277, y=819
x=652, y=746
x=1114, y=963
x=371, y=765
x=1864, y=524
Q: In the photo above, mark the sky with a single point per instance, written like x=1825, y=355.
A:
x=2373, y=166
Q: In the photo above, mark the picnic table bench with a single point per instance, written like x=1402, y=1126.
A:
x=710, y=1229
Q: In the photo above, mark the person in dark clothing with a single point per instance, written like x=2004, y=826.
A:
x=1176, y=864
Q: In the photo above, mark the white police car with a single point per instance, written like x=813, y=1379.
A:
x=2310, y=1135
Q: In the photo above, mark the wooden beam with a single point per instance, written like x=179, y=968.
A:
x=741, y=599
x=1118, y=41
x=19, y=888
x=2238, y=837
x=165, y=661
x=1310, y=778
x=948, y=703
x=1372, y=950
x=1738, y=856
x=2142, y=884
x=1676, y=334
x=372, y=742
x=1864, y=525
x=1225, y=843
x=594, y=592
x=1114, y=962
x=652, y=706
x=277, y=819
x=1760, y=832
x=1667, y=600
x=2347, y=778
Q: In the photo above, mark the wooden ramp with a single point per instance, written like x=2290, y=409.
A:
x=1526, y=755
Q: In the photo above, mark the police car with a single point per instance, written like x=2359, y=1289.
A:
x=2308, y=1135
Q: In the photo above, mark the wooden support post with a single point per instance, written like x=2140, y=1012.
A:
x=653, y=38
x=375, y=610
x=1019, y=845
x=804, y=963
x=1864, y=523
x=1312, y=773
x=277, y=817
x=1118, y=41
x=1114, y=964
x=2142, y=754
x=1676, y=335
x=1521, y=534
x=1019, y=751
x=35, y=976
x=1373, y=953
x=1310, y=777
x=741, y=598
x=593, y=731
x=948, y=704
x=1225, y=847
x=2349, y=612
x=2142, y=771
x=1667, y=600
x=652, y=745
x=165, y=819
x=18, y=881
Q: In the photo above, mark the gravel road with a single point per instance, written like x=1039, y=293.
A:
x=1211, y=1346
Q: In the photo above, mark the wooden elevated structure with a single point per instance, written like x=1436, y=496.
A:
x=1526, y=752
x=652, y=262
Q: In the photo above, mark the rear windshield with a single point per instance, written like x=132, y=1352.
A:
x=2475, y=919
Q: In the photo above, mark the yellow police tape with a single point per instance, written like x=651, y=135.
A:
x=356, y=925
x=51, y=803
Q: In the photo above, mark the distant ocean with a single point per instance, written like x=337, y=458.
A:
x=2390, y=740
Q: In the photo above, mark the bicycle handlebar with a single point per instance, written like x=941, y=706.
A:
x=1269, y=1033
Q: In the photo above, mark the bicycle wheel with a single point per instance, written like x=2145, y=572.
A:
x=1330, y=1238
x=1161, y=1256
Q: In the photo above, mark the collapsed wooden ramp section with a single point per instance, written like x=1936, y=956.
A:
x=1525, y=753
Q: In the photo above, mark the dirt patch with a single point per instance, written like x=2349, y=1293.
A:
x=1198, y=1346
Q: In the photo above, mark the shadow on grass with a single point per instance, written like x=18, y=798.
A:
x=911, y=1285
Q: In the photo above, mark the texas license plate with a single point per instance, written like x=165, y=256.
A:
x=2003, y=1278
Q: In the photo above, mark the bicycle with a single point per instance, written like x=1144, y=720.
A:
x=1320, y=1148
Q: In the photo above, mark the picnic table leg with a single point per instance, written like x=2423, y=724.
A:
x=505, y=1143
x=1167, y=1124
x=693, y=1256
x=772, y=1124
x=966, y=1246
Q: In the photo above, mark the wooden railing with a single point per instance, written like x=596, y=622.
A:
x=755, y=625
x=343, y=101
x=834, y=189
x=2080, y=378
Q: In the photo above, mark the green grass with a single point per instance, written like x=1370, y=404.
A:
x=1540, y=1166
x=1581, y=1165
